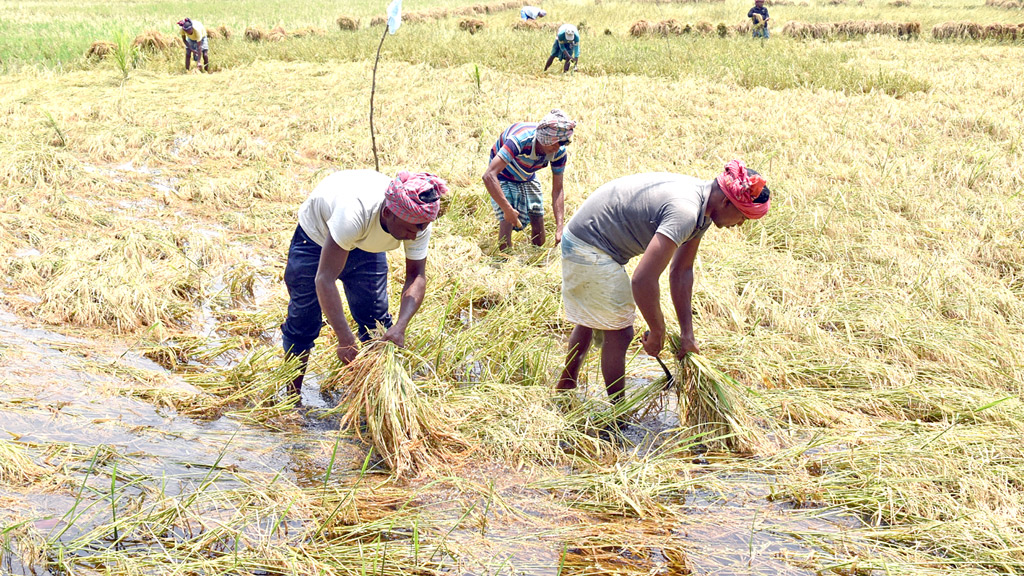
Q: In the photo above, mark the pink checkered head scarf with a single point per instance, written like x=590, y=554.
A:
x=748, y=192
x=415, y=197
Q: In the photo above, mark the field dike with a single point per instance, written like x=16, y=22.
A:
x=872, y=322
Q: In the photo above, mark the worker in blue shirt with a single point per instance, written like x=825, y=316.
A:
x=759, y=15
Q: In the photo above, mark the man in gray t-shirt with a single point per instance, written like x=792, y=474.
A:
x=660, y=217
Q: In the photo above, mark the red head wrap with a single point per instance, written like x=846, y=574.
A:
x=415, y=198
x=741, y=188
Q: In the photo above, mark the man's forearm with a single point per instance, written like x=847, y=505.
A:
x=682, y=297
x=412, y=296
x=494, y=189
x=647, y=296
x=330, y=302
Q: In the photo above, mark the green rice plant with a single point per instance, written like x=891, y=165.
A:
x=126, y=56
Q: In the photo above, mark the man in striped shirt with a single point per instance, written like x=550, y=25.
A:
x=520, y=152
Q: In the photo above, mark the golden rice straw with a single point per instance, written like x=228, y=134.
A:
x=348, y=23
x=403, y=425
x=712, y=405
x=101, y=49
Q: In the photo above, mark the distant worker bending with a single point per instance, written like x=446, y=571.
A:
x=566, y=47
x=759, y=17
x=531, y=13
x=521, y=151
x=193, y=36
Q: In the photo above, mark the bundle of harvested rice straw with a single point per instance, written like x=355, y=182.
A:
x=713, y=406
x=408, y=431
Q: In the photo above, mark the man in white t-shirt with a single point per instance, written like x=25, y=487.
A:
x=660, y=217
x=345, y=226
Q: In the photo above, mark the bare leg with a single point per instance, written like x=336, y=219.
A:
x=504, y=235
x=206, y=60
x=565, y=68
x=188, y=59
x=613, y=362
x=579, y=343
x=548, y=65
x=537, y=229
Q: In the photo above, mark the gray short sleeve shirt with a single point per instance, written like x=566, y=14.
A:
x=622, y=217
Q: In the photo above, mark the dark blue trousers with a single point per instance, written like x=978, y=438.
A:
x=364, y=278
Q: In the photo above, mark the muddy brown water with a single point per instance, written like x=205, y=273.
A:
x=52, y=393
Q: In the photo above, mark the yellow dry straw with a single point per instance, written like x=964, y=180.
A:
x=255, y=34
x=851, y=29
x=402, y=423
x=153, y=41
x=100, y=49
x=712, y=406
x=307, y=31
x=471, y=25
x=534, y=25
x=347, y=23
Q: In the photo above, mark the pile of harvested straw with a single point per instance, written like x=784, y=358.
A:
x=276, y=34
x=100, y=49
x=673, y=27
x=153, y=41
x=712, y=405
x=255, y=34
x=471, y=25
x=347, y=23
x=534, y=25
x=224, y=32
x=307, y=31
x=975, y=31
x=403, y=424
x=851, y=29
x=1008, y=4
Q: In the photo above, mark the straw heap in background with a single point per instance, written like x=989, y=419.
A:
x=403, y=425
x=713, y=406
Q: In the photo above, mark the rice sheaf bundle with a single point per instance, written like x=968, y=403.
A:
x=712, y=405
x=405, y=428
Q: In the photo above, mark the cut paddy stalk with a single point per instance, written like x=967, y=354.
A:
x=400, y=421
x=713, y=406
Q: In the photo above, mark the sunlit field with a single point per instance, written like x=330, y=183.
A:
x=869, y=328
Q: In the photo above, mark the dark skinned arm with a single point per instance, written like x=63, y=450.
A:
x=647, y=293
x=494, y=189
x=558, y=205
x=680, y=282
x=412, y=296
x=332, y=262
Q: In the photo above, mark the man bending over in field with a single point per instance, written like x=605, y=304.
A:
x=522, y=150
x=193, y=36
x=566, y=47
x=345, y=226
x=660, y=217
x=531, y=13
x=759, y=17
